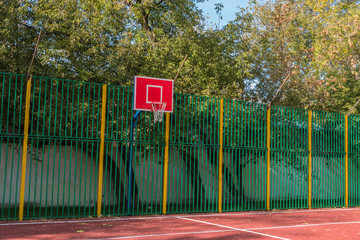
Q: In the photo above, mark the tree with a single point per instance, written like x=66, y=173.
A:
x=280, y=48
x=335, y=25
x=314, y=44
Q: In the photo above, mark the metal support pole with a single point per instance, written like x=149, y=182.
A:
x=268, y=116
x=24, y=155
x=309, y=157
x=221, y=131
x=346, y=162
x=101, y=154
x=166, y=162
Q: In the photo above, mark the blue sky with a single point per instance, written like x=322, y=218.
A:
x=228, y=12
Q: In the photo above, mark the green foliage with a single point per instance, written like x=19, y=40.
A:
x=316, y=44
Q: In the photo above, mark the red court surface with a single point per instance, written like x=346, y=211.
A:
x=290, y=224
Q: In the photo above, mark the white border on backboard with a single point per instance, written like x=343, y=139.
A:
x=147, y=92
x=134, y=101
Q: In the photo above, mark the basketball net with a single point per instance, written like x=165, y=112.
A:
x=158, y=109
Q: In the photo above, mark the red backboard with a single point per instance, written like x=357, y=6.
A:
x=153, y=90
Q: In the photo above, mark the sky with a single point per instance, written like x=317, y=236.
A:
x=228, y=12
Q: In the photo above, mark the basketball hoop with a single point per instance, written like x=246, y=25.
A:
x=154, y=95
x=158, y=109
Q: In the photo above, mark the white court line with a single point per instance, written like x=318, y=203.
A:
x=164, y=234
x=238, y=229
x=176, y=216
x=305, y=225
x=220, y=231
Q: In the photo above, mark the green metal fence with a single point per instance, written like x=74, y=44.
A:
x=289, y=155
x=210, y=168
x=11, y=120
x=193, y=161
x=244, y=156
x=328, y=159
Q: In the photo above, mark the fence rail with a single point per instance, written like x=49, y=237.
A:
x=214, y=154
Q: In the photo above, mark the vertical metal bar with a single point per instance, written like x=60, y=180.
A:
x=268, y=138
x=221, y=154
x=23, y=166
x=101, y=155
x=346, y=163
x=309, y=158
x=166, y=162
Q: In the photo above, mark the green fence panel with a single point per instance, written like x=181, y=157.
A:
x=10, y=177
x=328, y=159
x=244, y=167
x=132, y=167
x=289, y=158
x=12, y=108
x=144, y=186
x=354, y=160
x=62, y=166
x=61, y=178
x=116, y=155
x=193, y=154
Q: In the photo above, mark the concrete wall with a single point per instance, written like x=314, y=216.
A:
x=68, y=176
x=54, y=176
x=288, y=182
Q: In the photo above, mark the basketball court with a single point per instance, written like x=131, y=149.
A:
x=289, y=224
x=156, y=95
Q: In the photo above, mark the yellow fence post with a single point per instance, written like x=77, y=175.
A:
x=221, y=130
x=309, y=157
x=346, y=162
x=101, y=154
x=268, y=116
x=166, y=163
x=24, y=154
